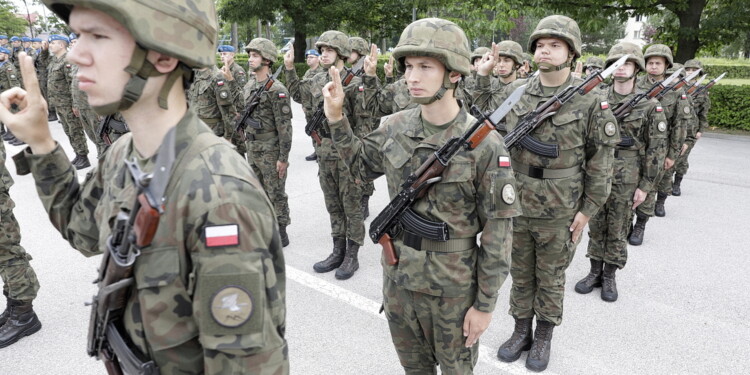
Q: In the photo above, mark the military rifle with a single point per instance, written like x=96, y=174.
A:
x=244, y=119
x=133, y=230
x=697, y=84
x=708, y=85
x=317, y=118
x=677, y=85
x=109, y=123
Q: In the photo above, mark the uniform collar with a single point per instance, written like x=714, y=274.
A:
x=457, y=128
x=534, y=85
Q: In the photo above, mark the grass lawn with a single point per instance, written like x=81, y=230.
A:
x=732, y=81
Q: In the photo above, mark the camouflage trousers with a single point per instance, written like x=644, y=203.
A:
x=682, y=165
x=647, y=207
x=542, y=251
x=73, y=129
x=608, y=229
x=19, y=279
x=90, y=122
x=264, y=166
x=235, y=139
x=342, y=197
x=428, y=330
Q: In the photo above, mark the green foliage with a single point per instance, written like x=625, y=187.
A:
x=734, y=82
x=733, y=71
x=10, y=24
x=730, y=107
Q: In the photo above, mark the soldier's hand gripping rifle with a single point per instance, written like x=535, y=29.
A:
x=134, y=230
x=548, y=109
x=708, y=85
x=625, y=109
x=316, y=121
x=398, y=215
x=244, y=119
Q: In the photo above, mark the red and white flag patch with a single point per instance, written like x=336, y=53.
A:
x=220, y=83
x=659, y=108
x=282, y=95
x=222, y=235
x=604, y=105
x=684, y=96
x=361, y=88
x=503, y=161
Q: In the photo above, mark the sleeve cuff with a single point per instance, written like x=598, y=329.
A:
x=483, y=82
x=589, y=208
x=47, y=166
x=485, y=303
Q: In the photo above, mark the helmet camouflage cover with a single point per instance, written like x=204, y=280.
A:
x=659, y=50
x=359, y=45
x=674, y=68
x=626, y=48
x=264, y=47
x=694, y=64
x=479, y=53
x=560, y=27
x=594, y=61
x=437, y=38
x=511, y=49
x=336, y=40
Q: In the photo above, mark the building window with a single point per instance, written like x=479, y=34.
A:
x=638, y=18
x=637, y=34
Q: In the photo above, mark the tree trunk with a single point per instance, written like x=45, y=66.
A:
x=235, y=37
x=688, y=42
x=299, y=45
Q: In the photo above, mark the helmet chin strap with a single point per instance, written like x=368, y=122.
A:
x=513, y=70
x=140, y=70
x=548, y=67
x=447, y=84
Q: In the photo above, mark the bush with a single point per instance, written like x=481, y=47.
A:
x=730, y=107
x=733, y=71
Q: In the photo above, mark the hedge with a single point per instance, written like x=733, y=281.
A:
x=730, y=107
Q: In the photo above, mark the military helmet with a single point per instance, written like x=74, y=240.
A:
x=359, y=45
x=336, y=40
x=479, y=53
x=694, y=64
x=511, y=49
x=626, y=48
x=659, y=50
x=437, y=38
x=264, y=47
x=193, y=41
x=560, y=27
x=594, y=61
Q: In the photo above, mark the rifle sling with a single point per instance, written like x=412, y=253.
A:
x=261, y=136
x=130, y=358
x=544, y=173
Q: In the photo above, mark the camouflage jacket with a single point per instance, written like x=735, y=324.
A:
x=394, y=96
x=678, y=111
x=59, y=79
x=174, y=314
x=238, y=74
x=470, y=81
x=8, y=76
x=476, y=195
x=647, y=125
x=585, y=132
x=6, y=179
x=215, y=100
x=702, y=104
x=314, y=88
x=16, y=51
x=274, y=113
x=42, y=60
x=306, y=97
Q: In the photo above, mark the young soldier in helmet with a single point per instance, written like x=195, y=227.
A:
x=440, y=296
x=207, y=296
x=508, y=55
x=269, y=143
x=592, y=65
x=342, y=193
x=476, y=56
x=677, y=110
x=510, y=59
x=701, y=105
x=557, y=195
x=638, y=159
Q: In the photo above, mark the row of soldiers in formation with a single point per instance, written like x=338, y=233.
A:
x=530, y=209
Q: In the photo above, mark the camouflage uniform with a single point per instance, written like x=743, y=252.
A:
x=88, y=118
x=216, y=102
x=701, y=106
x=271, y=143
x=238, y=74
x=42, y=61
x=59, y=80
x=9, y=77
x=306, y=98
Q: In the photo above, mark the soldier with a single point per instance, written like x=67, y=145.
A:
x=16, y=48
x=638, y=159
x=8, y=79
x=360, y=48
x=677, y=111
x=36, y=44
x=701, y=105
x=207, y=296
x=269, y=143
x=85, y=114
x=227, y=58
x=312, y=58
x=26, y=42
x=488, y=90
x=593, y=64
x=510, y=59
x=440, y=298
x=59, y=80
x=73, y=39
x=476, y=56
x=341, y=192
x=4, y=41
x=42, y=61
x=557, y=195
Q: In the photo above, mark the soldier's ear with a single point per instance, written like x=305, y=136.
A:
x=454, y=76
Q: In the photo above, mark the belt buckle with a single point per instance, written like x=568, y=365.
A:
x=536, y=172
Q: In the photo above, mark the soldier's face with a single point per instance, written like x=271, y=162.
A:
x=353, y=57
x=227, y=58
x=56, y=46
x=424, y=75
x=551, y=50
x=690, y=71
x=254, y=60
x=656, y=65
x=312, y=61
x=625, y=70
x=103, y=52
x=327, y=55
x=504, y=65
x=16, y=43
x=35, y=45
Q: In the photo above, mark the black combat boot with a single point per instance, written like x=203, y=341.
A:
x=284, y=236
x=519, y=341
x=82, y=162
x=538, y=358
x=365, y=206
x=52, y=116
x=311, y=157
x=334, y=260
x=351, y=263
x=592, y=280
x=636, y=235
x=22, y=322
x=609, y=287
x=659, y=208
x=676, y=185
x=6, y=313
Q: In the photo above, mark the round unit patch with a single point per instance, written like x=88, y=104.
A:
x=662, y=126
x=223, y=94
x=509, y=194
x=610, y=129
x=231, y=306
x=285, y=109
x=686, y=109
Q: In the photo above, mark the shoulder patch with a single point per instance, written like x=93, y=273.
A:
x=662, y=126
x=684, y=96
x=503, y=161
x=67, y=65
x=361, y=88
x=686, y=109
x=604, y=105
x=659, y=108
x=509, y=194
x=285, y=109
x=231, y=306
x=221, y=235
x=220, y=83
x=282, y=95
x=610, y=129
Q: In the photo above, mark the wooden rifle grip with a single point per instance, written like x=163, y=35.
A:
x=316, y=137
x=591, y=85
x=389, y=252
x=146, y=223
x=480, y=134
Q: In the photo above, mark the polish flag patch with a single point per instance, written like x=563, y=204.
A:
x=220, y=83
x=605, y=105
x=222, y=235
x=361, y=88
x=684, y=96
x=503, y=161
x=659, y=108
x=282, y=95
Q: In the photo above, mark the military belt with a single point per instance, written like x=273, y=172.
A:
x=625, y=153
x=262, y=136
x=211, y=121
x=544, y=173
x=455, y=245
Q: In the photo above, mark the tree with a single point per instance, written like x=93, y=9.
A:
x=9, y=23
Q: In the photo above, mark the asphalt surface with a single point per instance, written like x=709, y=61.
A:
x=682, y=305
